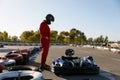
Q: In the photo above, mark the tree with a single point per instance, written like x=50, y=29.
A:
x=61, y=36
x=26, y=36
x=106, y=39
x=36, y=36
x=14, y=38
x=1, y=36
x=90, y=40
x=72, y=35
x=66, y=35
x=83, y=38
x=118, y=42
x=76, y=36
x=5, y=36
x=101, y=40
x=53, y=35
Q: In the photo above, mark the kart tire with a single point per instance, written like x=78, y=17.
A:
x=17, y=57
x=10, y=62
x=25, y=59
x=25, y=67
x=21, y=75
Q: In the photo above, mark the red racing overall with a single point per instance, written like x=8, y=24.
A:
x=44, y=40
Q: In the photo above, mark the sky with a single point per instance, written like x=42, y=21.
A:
x=93, y=17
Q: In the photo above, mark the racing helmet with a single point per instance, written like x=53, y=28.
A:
x=69, y=52
x=50, y=17
x=90, y=58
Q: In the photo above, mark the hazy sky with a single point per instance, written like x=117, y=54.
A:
x=93, y=17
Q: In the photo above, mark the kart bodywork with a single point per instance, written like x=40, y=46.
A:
x=75, y=65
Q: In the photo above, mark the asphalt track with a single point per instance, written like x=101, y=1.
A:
x=109, y=62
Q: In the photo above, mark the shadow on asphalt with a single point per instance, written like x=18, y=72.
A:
x=103, y=75
x=34, y=63
x=116, y=76
x=83, y=77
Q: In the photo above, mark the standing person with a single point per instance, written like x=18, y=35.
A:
x=45, y=39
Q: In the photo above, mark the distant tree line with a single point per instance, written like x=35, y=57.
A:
x=5, y=37
x=73, y=36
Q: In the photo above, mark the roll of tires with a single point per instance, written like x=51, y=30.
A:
x=25, y=67
x=25, y=54
x=21, y=75
x=25, y=58
x=9, y=62
x=17, y=57
x=21, y=51
x=2, y=65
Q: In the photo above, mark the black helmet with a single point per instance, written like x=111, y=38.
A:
x=69, y=52
x=50, y=17
x=90, y=58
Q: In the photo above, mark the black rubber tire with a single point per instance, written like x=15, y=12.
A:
x=21, y=67
x=25, y=59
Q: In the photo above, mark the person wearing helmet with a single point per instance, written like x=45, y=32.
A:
x=44, y=30
x=69, y=52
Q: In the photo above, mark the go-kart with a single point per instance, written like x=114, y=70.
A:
x=74, y=65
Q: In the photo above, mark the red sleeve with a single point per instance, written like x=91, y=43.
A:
x=42, y=30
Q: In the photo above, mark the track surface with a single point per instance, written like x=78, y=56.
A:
x=109, y=62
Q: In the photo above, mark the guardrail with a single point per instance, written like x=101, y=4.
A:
x=28, y=44
x=19, y=44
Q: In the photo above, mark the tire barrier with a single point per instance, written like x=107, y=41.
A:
x=20, y=57
x=8, y=62
x=21, y=67
x=23, y=56
x=2, y=66
x=17, y=57
x=21, y=75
